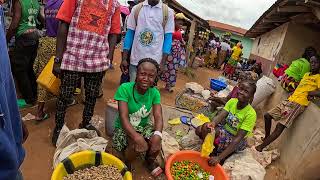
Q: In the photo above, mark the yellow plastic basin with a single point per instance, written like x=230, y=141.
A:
x=86, y=159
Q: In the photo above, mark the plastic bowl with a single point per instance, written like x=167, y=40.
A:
x=85, y=159
x=194, y=156
x=217, y=85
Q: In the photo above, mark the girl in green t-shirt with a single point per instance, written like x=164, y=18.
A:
x=233, y=124
x=134, y=132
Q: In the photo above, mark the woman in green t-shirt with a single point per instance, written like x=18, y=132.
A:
x=134, y=132
x=297, y=70
x=233, y=124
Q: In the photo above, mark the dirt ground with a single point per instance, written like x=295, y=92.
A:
x=40, y=151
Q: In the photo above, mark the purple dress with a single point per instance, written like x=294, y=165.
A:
x=50, y=10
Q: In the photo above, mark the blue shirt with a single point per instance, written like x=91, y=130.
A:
x=11, y=150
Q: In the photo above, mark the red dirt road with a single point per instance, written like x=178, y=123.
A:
x=39, y=150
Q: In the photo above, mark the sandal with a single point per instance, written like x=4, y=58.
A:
x=71, y=103
x=90, y=127
x=154, y=168
x=46, y=116
x=170, y=89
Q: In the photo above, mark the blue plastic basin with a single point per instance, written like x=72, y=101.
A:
x=217, y=85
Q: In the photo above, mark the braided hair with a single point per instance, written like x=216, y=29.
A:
x=155, y=63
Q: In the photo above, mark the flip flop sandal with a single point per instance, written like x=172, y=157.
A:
x=155, y=169
x=100, y=96
x=187, y=121
x=46, y=116
x=90, y=127
x=77, y=91
x=74, y=102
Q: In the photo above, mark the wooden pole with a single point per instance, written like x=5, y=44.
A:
x=190, y=41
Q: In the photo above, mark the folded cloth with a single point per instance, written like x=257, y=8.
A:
x=70, y=142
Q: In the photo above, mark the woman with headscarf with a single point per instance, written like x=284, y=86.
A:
x=211, y=55
x=233, y=61
x=177, y=57
x=224, y=50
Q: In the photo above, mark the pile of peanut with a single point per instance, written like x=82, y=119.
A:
x=103, y=172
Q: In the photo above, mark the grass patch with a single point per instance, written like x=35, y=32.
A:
x=188, y=71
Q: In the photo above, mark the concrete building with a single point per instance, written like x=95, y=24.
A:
x=284, y=31
x=281, y=35
x=237, y=35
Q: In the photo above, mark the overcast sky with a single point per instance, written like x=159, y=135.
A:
x=241, y=13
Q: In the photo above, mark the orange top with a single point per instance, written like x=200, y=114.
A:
x=68, y=8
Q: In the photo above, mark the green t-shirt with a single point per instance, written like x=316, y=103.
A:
x=30, y=10
x=239, y=119
x=298, y=68
x=140, y=109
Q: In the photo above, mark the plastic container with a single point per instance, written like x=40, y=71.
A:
x=217, y=85
x=110, y=116
x=85, y=159
x=194, y=156
x=48, y=80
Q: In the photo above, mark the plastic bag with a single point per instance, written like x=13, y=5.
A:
x=190, y=141
x=169, y=145
x=199, y=120
x=174, y=121
x=207, y=146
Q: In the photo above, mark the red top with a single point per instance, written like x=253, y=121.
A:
x=177, y=35
x=68, y=9
x=91, y=21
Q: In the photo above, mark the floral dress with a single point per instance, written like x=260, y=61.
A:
x=176, y=60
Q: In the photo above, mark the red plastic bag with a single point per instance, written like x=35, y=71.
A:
x=279, y=69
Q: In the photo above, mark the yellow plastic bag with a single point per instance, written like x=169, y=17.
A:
x=48, y=80
x=199, y=120
x=207, y=146
x=175, y=121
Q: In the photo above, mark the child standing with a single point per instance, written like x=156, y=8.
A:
x=290, y=109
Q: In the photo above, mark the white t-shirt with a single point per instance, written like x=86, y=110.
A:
x=149, y=32
x=225, y=46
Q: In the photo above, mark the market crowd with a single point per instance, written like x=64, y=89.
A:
x=82, y=38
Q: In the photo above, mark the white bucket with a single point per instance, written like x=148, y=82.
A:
x=110, y=116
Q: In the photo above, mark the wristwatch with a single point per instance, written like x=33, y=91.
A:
x=57, y=60
x=158, y=133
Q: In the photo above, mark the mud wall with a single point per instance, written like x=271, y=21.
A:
x=299, y=144
x=267, y=46
x=297, y=38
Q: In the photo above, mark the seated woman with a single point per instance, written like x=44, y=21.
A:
x=232, y=125
x=297, y=69
x=134, y=133
x=216, y=102
x=221, y=101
